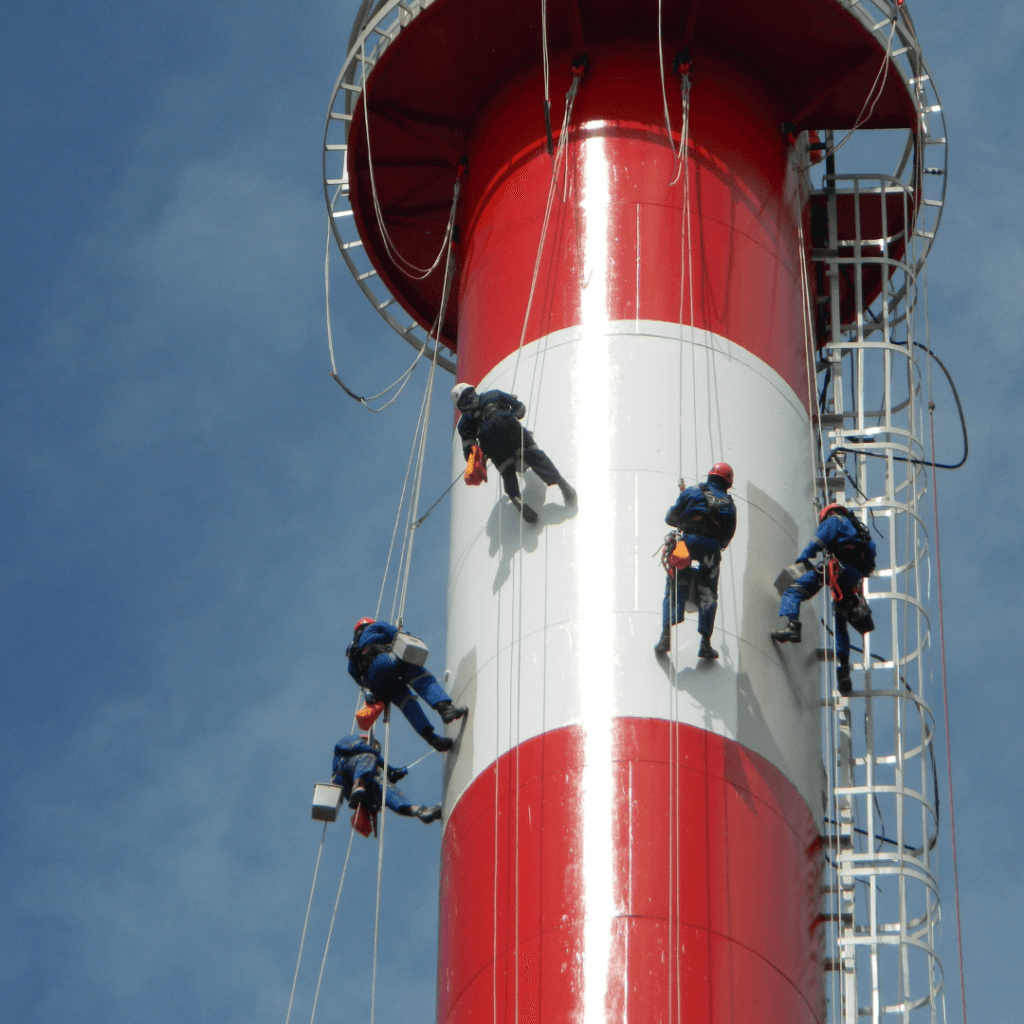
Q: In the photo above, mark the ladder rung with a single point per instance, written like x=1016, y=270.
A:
x=831, y=483
x=340, y=117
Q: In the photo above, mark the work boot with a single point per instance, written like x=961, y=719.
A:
x=528, y=514
x=450, y=714
x=707, y=652
x=664, y=645
x=440, y=743
x=843, y=678
x=568, y=491
x=789, y=635
x=427, y=814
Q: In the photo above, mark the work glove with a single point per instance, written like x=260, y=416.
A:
x=397, y=774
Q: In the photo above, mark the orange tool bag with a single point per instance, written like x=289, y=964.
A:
x=476, y=467
x=369, y=713
x=679, y=557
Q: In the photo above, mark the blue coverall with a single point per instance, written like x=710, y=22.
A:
x=690, y=515
x=389, y=679
x=835, y=532
x=493, y=423
x=356, y=761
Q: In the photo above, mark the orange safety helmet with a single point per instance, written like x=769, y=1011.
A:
x=722, y=470
x=358, y=627
x=835, y=509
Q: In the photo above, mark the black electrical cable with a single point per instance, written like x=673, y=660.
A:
x=922, y=462
x=865, y=832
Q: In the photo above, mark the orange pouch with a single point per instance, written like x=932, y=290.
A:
x=680, y=557
x=476, y=467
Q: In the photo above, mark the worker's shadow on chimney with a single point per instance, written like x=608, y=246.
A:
x=509, y=533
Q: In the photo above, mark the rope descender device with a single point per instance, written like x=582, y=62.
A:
x=682, y=63
x=580, y=65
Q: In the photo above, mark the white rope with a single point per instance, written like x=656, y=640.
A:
x=664, y=92
x=305, y=924
x=380, y=866
x=883, y=74
x=411, y=270
x=547, y=66
x=406, y=374
x=416, y=446
x=422, y=456
x=570, y=99
x=684, y=132
x=415, y=497
x=398, y=516
x=816, y=453
x=330, y=931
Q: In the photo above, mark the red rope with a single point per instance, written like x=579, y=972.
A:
x=945, y=711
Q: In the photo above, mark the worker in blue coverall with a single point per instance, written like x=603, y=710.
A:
x=492, y=421
x=846, y=541
x=372, y=665
x=705, y=518
x=357, y=769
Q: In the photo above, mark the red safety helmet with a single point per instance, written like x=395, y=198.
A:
x=722, y=470
x=358, y=628
x=835, y=509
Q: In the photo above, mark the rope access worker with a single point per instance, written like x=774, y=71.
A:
x=492, y=421
x=372, y=665
x=357, y=769
x=704, y=519
x=850, y=556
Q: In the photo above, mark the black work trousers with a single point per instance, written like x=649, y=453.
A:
x=509, y=463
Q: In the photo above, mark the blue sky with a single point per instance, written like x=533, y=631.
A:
x=192, y=519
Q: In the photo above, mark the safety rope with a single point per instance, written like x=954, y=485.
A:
x=402, y=380
x=547, y=74
x=408, y=268
x=570, y=99
x=330, y=931
x=418, y=448
x=942, y=650
x=305, y=924
x=680, y=168
x=411, y=521
x=380, y=864
x=872, y=98
x=815, y=455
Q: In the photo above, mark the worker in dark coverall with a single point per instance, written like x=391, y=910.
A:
x=357, y=769
x=846, y=542
x=492, y=421
x=372, y=665
x=705, y=518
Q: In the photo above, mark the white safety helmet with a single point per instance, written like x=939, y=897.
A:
x=458, y=391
